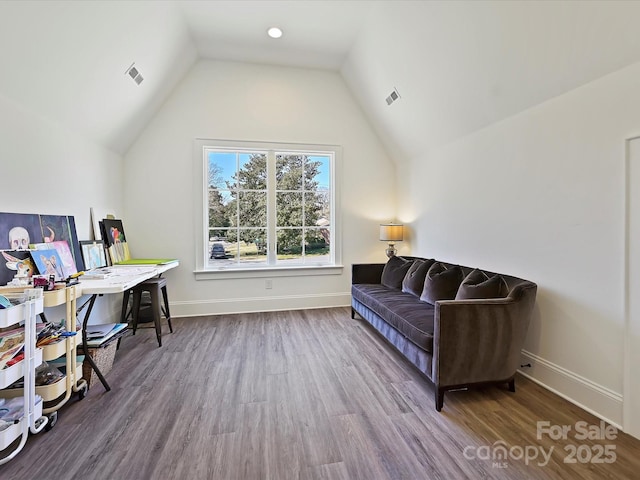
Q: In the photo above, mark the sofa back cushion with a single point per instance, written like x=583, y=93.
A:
x=394, y=271
x=479, y=285
x=413, y=281
x=441, y=283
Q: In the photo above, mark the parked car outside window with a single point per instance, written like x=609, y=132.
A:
x=217, y=251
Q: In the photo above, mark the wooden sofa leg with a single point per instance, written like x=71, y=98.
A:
x=512, y=385
x=439, y=399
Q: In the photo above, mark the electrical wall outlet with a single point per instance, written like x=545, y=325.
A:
x=268, y=284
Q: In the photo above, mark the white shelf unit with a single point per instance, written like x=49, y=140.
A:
x=32, y=419
x=72, y=382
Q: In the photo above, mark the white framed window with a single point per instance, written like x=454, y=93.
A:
x=266, y=207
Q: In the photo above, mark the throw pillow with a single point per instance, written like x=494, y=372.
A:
x=413, y=281
x=441, y=283
x=479, y=285
x=394, y=271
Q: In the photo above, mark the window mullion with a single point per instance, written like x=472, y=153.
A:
x=271, y=208
x=237, y=188
x=304, y=210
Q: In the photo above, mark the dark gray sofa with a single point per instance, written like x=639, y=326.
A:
x=457, y=343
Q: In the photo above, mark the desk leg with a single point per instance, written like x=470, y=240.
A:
x=86, y=348
x=125, y=303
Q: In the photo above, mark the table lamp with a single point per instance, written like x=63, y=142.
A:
x=391, y=232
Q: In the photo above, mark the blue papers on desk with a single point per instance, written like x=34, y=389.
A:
x=99, y=334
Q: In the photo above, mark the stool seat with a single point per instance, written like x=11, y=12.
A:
x=155, y=287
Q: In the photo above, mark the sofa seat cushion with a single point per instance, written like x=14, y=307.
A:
x=403, y=311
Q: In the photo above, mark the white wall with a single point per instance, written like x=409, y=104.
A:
x=235, y=101
x=47, y=169
x=541, y=196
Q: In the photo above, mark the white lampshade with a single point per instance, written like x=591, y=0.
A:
x=391, y=232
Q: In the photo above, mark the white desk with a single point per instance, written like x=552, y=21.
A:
x=121, y=280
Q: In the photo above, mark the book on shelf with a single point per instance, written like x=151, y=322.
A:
x=8, y=355
x=61, y=362
x=11, y=343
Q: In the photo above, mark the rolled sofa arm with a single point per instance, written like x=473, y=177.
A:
x=366, y=272
x=478, y=341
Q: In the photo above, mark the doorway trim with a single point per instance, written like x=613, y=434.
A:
x=627, y=378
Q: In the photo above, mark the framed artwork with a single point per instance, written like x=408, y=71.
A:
x=93, y=254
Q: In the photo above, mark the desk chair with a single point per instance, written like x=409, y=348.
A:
x=155, y=287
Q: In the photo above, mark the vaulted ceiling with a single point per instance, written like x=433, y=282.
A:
x=458, y=66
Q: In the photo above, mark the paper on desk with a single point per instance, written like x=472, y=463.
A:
x=129, y=271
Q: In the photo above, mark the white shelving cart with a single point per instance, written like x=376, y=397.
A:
x=60, y=392
x=32, y=419
x=73, y=381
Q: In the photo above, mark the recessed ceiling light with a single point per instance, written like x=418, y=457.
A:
x=274, y=32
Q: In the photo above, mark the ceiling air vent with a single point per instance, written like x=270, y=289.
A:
x=393, y=96
x=133, y=72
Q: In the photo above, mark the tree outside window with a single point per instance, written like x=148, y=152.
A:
x=269, y=208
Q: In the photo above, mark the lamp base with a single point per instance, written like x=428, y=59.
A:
x=391, y=250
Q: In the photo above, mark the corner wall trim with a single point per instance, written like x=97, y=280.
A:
x=586, y=394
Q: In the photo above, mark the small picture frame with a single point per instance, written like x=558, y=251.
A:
x=93, y=254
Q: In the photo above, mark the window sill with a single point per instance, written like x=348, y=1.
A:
x=267, y=272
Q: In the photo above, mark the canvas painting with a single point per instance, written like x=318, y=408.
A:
x=97, y=214
x=13, y=262
x=115, y=240
x=93, y=254
x=48, y=262
x=62, y=247
x=56, y=228
x=18, y=230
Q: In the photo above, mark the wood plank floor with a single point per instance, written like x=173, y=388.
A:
x=303, y=395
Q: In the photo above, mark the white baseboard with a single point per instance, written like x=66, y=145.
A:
x=595, y=399
x=259, y=304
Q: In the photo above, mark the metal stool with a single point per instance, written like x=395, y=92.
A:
x=154, y=286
